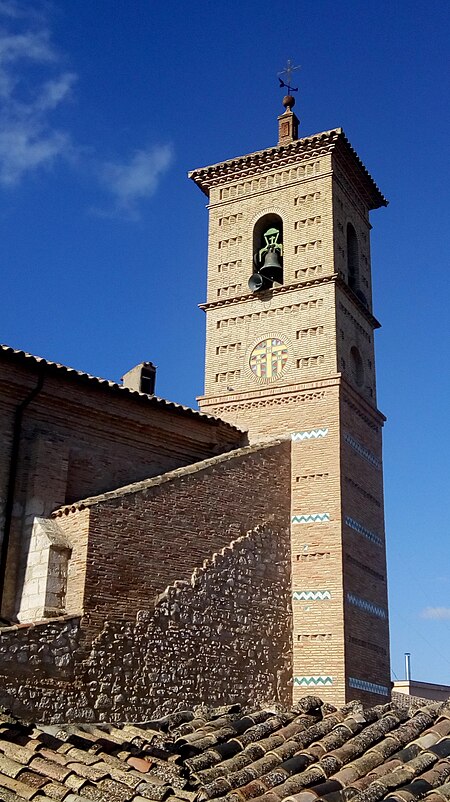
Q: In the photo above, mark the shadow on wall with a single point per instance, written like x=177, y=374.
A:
x=225, y=635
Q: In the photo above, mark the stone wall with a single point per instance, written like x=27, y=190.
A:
x=225, y=635
x=222, y=636
x=45, y=649
x=143, y=537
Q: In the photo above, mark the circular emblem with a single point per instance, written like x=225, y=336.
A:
x=268, y=358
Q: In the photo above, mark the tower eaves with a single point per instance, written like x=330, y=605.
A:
x=308, y=147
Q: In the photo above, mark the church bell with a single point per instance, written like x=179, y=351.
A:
x=270, y=271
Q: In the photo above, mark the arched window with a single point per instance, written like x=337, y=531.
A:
x=268, y=248
x=352, y=258
x=356, y=366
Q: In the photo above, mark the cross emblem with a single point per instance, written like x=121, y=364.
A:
x=286, y=74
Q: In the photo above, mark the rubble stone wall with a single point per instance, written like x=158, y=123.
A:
x=45, y=649
x=223, y=635
x=143, y=537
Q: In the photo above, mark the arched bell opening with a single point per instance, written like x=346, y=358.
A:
x=352, y=258
x=267, y=253
x=356, y=366
x=353, y=272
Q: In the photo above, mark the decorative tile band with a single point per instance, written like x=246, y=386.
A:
x=362, y=451
x=371, y=687
x=313, y=434
x=313, y=681
x=312, y=518
x=363, y=531
x=367, y=606
x=311, y=595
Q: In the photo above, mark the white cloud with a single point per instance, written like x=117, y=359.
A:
x=27, y=46
x=28, y=139
x=132, y=181
x=436, y=613
x=16, y=9
x=33, y=85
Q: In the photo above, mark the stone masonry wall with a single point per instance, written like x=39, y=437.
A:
x=45, y=649
x=222, y=636
x=225, y=635
x=143, y=537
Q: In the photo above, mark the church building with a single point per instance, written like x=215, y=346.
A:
x=154, y=555
x=290, y=352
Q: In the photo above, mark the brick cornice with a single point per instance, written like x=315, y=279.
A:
x=309, y=147
x=274, y=291
x=262, y=392
x=336, y=278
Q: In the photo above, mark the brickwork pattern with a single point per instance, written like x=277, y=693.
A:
x=78, y=439
x=323, y=314
x=224, y=635
x=147, y=535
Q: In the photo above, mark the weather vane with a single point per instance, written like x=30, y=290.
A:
x=287, y=74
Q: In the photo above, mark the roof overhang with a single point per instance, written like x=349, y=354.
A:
x=333, y=141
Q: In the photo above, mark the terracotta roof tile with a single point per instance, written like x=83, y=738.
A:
x=79, y=376
x=50, y=768
x=312, y=752
x=75, y=782
x=10, y=767
x=140, y=764
x=76, y=798
x=335, y=139
x=20, y=789
x=33, y=780
x=56, y=790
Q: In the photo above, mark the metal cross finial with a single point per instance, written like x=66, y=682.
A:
x=287, y=73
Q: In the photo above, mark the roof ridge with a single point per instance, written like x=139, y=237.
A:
x=162, y=478
x=274, y=148
x=107, y=384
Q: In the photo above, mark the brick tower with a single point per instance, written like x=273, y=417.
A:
x=290, y=352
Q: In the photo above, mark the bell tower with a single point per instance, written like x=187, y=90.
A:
x=290, y=353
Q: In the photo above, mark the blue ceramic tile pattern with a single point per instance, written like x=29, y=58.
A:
x=367, y=606
x=371, y=687
x=362, y=450
x=312, y=518
x=307, y=681
x=312, y=434
x=363, y=531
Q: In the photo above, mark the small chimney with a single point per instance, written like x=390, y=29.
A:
x=408, y=666
x=141, y=378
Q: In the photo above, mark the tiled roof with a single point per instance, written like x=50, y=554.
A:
x=242, y=166
x=22, y=357
x=312, y=752
x=163, y=478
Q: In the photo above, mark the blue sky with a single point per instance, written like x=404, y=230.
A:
x=107, y=105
